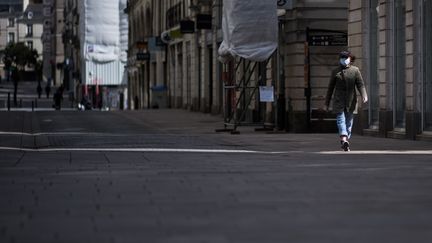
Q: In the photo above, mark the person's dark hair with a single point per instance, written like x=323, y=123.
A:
x=345, y=54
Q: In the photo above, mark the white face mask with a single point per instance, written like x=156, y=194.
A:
x=345, y=61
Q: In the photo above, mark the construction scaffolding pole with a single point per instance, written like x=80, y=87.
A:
x=240, y=91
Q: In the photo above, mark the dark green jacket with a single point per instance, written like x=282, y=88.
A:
x=344, y=88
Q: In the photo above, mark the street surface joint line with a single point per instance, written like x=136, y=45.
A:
x=20, y=158
x=192, y=150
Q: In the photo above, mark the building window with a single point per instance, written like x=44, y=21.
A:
x=29, y=30
x=427, y=65
x=173, y=16
x=11, y=38
x=47, y=24
x=11, y=22
x=30, y=45
x=399, y=64
x=47, y=11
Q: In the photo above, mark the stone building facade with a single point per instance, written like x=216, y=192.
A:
x=187, y=65
x=9, y=14
x=71, y=43
x=392, y=42
x=21, y=21
x=308, y=65
x=183, y=69
x=53, y=48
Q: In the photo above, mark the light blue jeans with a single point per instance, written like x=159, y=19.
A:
x=344, y=122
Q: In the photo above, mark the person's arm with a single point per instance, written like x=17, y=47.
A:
x=361, y=86
x=330, y=90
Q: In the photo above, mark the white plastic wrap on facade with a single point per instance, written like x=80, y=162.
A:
x=250, y=29
x=124, y=28
x=104, y=40
x=109, y=73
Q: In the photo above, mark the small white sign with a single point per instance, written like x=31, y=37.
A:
x=90, y=48
x=266, y=93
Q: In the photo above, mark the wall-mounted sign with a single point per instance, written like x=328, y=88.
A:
x=142, y=45
x=204, y=21
x=143, y=56
x=155, y=44
x=266, y=93
x=328, y=40
x=159, y=41
x=187, y=26
x=90, y=48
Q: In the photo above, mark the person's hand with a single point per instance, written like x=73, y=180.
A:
x=365, y=99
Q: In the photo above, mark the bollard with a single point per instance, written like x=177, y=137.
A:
x=8, y=102
x=32, y=105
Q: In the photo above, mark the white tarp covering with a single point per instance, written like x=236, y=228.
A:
x=104, y=41
x=250, y=29
x=103, y=29
x=124, y=30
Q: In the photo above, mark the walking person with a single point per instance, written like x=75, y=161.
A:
x=39, y=89
x=343, y=83
x=58, y=98
x=47, y=90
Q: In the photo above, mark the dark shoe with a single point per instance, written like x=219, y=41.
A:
x=345, y=146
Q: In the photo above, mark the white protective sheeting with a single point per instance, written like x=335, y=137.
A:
x=100, y=30
x=250, y=29
x=124, y=30
x=108, y=73
x=104, y=41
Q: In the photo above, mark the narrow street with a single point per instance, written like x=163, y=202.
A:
x=114, y=117
x=166, y=176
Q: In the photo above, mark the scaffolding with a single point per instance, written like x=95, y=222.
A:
x=250, y=40
x=241, y=83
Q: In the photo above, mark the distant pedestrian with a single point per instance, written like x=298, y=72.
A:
x=57, y=97
x=61, y=90
x=343, y=83
x=136, y=103
x=39, y=90
x=47, y=90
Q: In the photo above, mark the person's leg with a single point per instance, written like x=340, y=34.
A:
x=349, y=120
x=344, y=133
x=341, y=124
